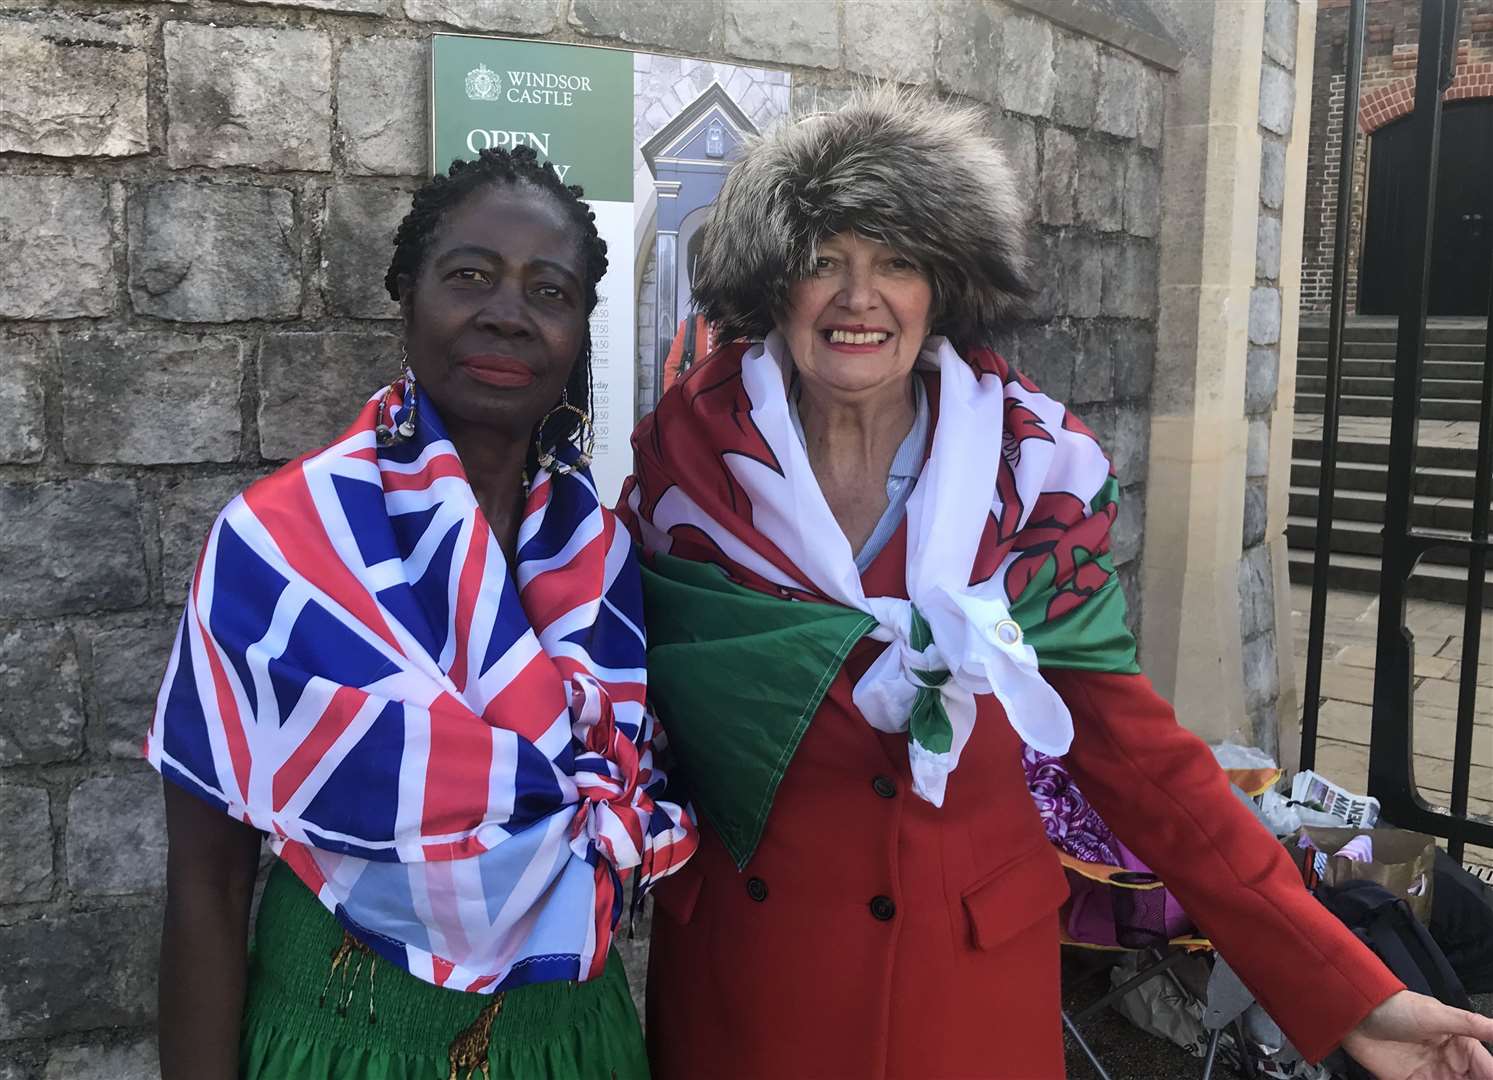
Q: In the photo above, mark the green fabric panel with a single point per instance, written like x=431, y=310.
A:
x=558, y=1030
x=735, y=677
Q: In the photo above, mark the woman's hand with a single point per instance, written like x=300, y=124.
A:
x=1414, y=1037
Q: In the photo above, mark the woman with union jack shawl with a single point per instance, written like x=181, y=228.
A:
x=414, y=661
x=878, y=573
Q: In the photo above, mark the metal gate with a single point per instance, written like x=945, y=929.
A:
x=1391, y=743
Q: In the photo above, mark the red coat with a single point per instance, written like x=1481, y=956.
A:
x=873, y=935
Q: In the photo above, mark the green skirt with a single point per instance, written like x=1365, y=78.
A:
x=365, y=1019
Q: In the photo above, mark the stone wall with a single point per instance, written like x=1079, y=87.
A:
x=196, y=203
x=1391, y=50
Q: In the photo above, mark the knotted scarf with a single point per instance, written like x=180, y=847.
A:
x=455, y=758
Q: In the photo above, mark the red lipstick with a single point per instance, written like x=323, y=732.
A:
x=501, y=371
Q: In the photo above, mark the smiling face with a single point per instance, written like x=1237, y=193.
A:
x=496, y=317
x=856, y=324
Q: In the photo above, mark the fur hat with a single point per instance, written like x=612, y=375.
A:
x=898, y=166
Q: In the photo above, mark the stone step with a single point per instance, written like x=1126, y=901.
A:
x=1361, y=476
x=1359, y=368
x=1376, y=452
x=1355, y=405
x=1361, y=538
x=1378, y=387
x=1451, y=515
x=1438, y=332
x=1360, y=573
x=1469, y=352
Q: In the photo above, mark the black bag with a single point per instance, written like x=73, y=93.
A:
x=1383, y=922
x=1462, y=923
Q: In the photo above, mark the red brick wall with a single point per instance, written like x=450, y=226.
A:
x=1390, y=54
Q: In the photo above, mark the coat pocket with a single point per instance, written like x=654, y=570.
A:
x=1013, y=896
x=677, y=894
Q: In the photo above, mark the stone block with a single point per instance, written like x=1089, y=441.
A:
x=1130, y=279
x=1130, y=583
x=1048, y=358
x=356, y=247
x=1133, y=346
x=346, y=7
x=1256, y=592
x=70, y=546
x=1121, y=92
x=1264, y=316
x=26, y=361
x=188, y=507
x=1261, y=374
x=26, y=855
x=1047, y=266
x=1130, y=445
x=1101, y=185
x=1081, y=269
x=242, y=95
x=1094, y=369
x=312, y=385
x=116, y=834
x=1142, y=194
x=1152, y=116
x=56, y=248
x=891, y=39
x=1257, y=453
x=128, y=664
x=79, y=972
x=1280, y=32
x=41, y=696
x=688, y=28
x=1129, y=527
x=504, y=16
x=1261, y=672
x=1272, y=172
x=382, y=86
x=1267, y=248
x=784, y=31
x=1028, y=81
x=123, y=1061
x=1059, y=185
x=74, y=88
x=807, y=97
x=1076, y=66
x=969, y=39
x=1256, y=512
x=150, y=399
x=1277, y=99
x=214, y=252
x=1018, y=138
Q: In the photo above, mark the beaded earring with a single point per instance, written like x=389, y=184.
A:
x=385, y=431
x=547, y=458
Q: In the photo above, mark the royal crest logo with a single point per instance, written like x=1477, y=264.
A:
x=484, y=84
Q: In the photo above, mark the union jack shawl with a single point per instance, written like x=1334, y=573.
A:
x=456, y=759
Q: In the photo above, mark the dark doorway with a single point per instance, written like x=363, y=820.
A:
x=1463, y=241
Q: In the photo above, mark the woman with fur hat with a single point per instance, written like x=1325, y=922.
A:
x=878, y=563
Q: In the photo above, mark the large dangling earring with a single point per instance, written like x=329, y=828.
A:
x=385, y=431
x=547, y=458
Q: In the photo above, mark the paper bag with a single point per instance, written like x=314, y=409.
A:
x=1402, y=863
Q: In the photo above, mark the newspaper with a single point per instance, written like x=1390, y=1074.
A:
x=1319, y=793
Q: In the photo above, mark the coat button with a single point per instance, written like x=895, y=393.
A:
x=757, y=889
x=882, y=908
x=885, y=787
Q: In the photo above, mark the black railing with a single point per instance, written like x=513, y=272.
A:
x=1391, y=750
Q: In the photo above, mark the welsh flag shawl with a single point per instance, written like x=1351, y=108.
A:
x=754, y=602
x=455, y=758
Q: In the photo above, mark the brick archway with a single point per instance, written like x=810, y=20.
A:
x=1389, y=103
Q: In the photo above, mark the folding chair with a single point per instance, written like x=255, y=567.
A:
x=1139, y=928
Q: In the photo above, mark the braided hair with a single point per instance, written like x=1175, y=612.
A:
x=517, y=167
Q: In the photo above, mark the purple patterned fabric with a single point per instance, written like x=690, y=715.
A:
x=1071, y=823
